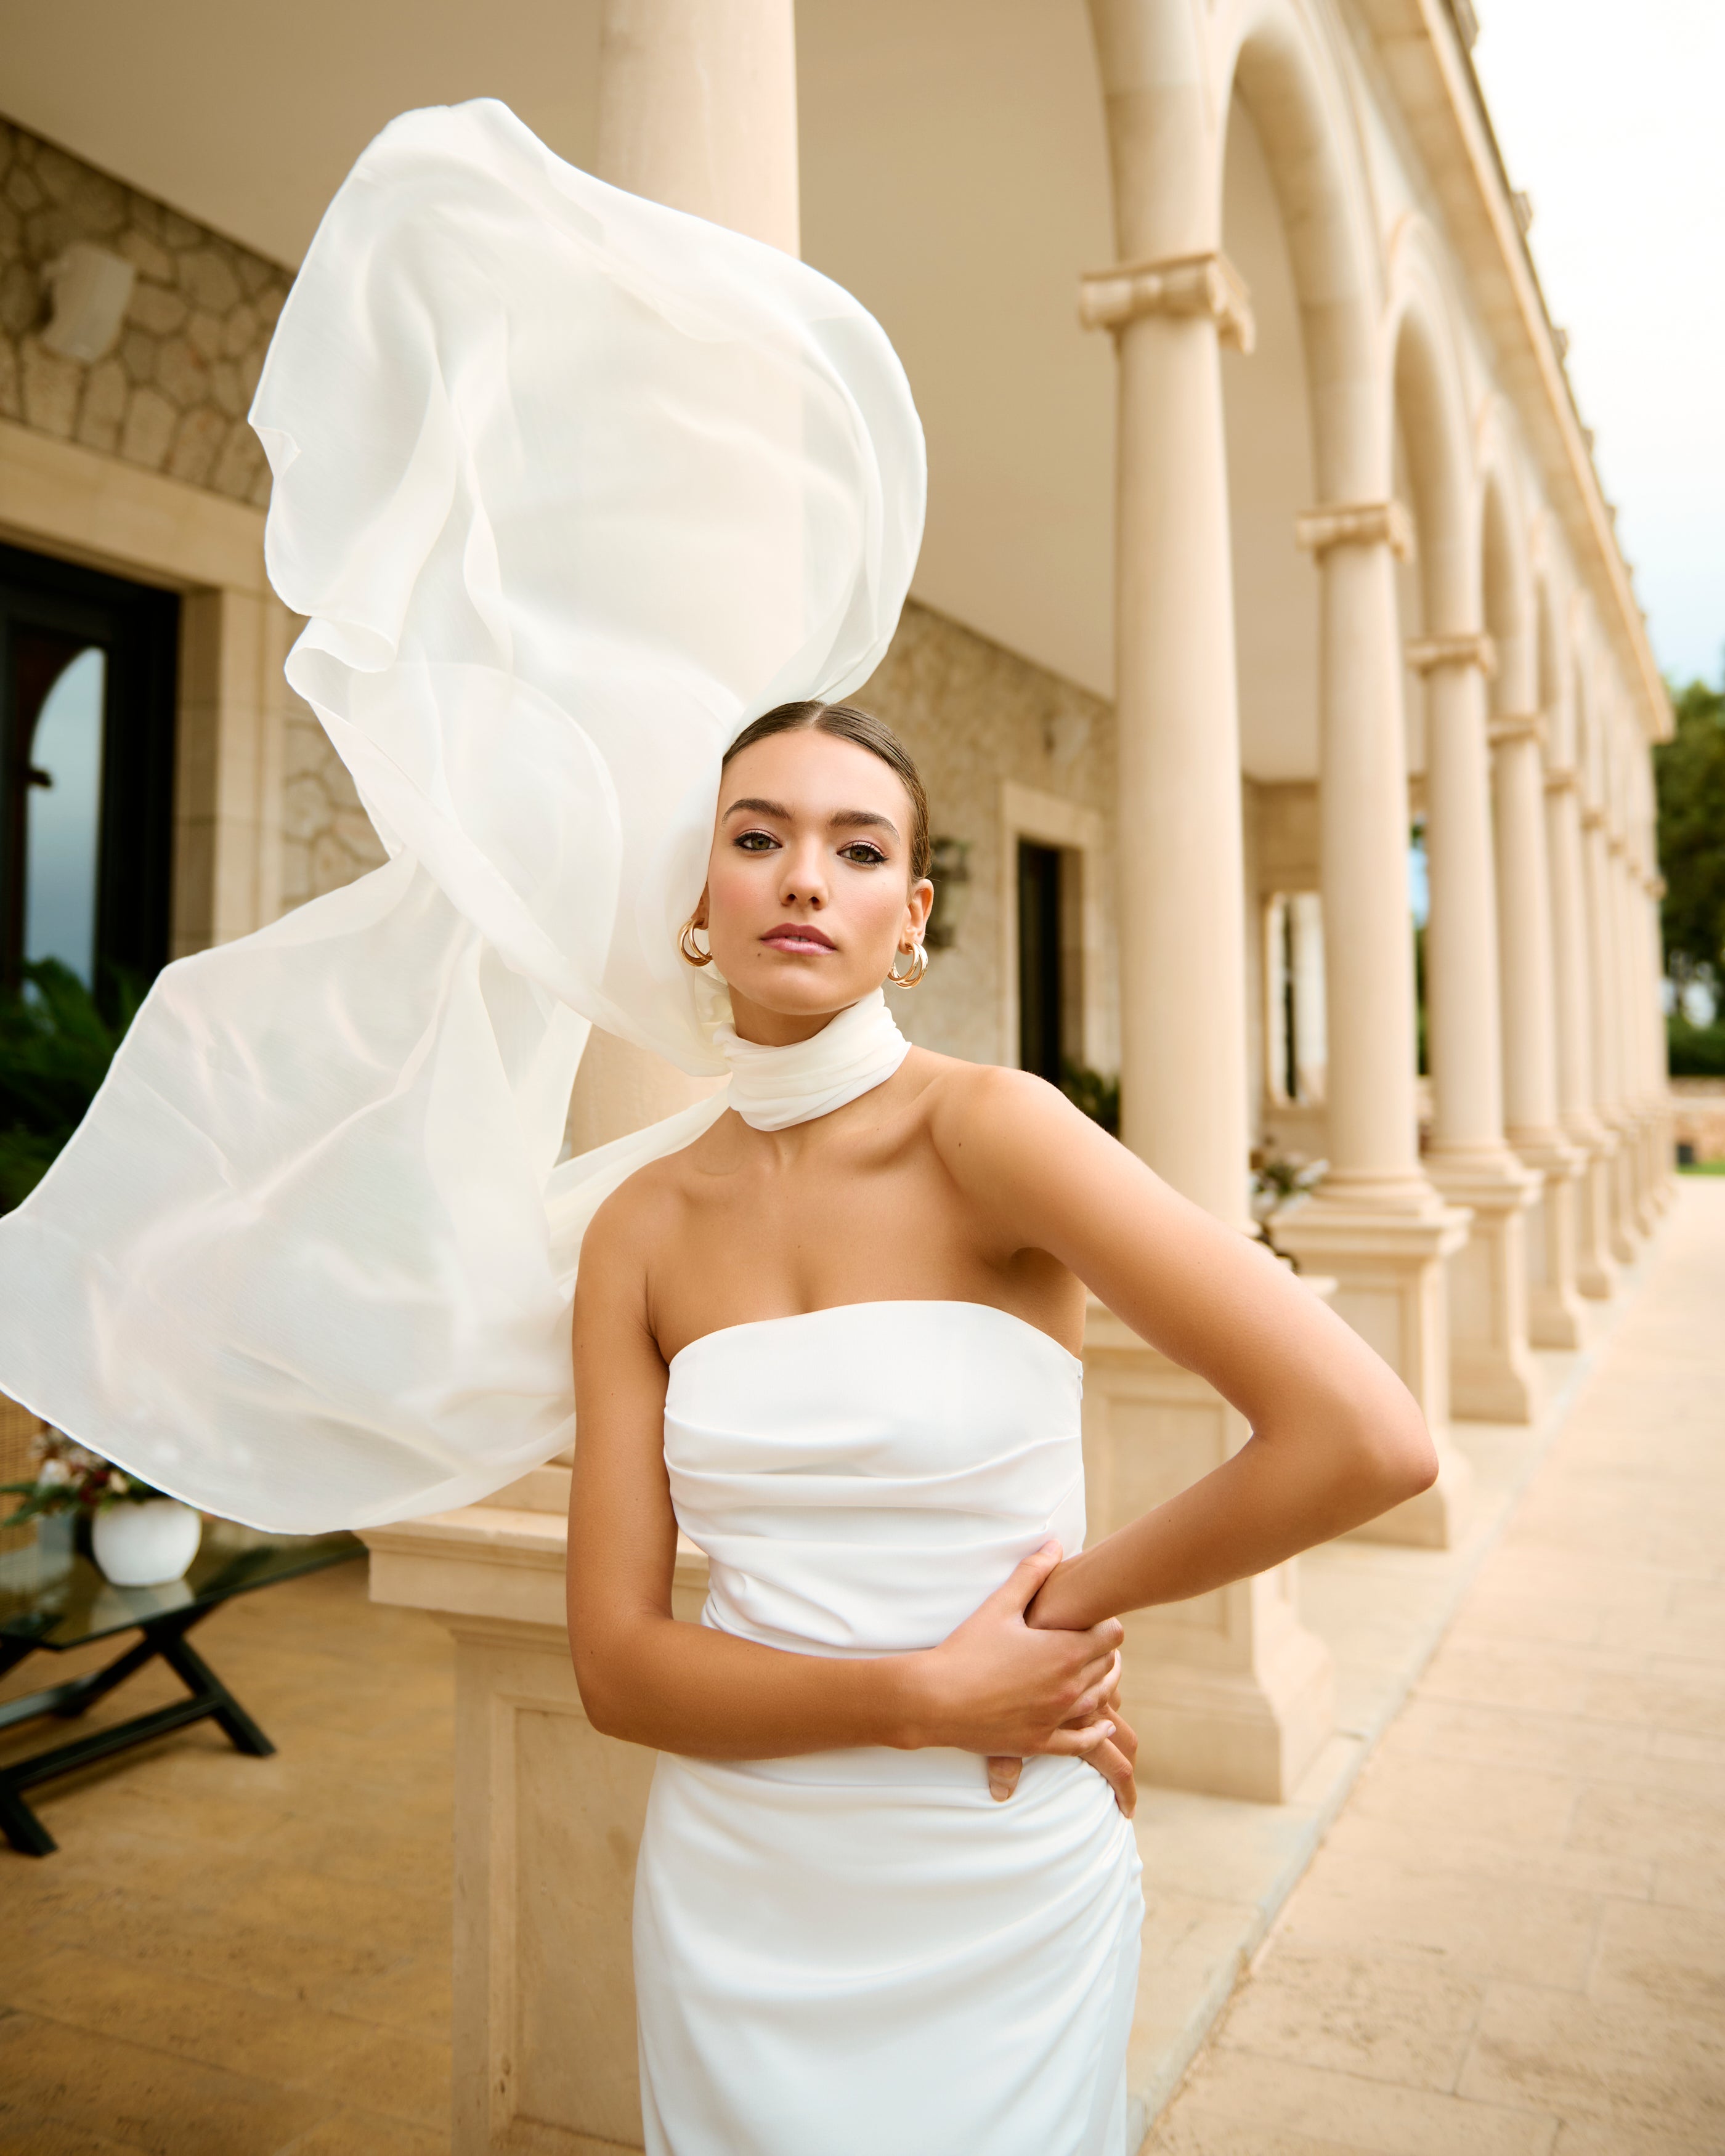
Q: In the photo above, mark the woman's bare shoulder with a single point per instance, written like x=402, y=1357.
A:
x=643, y=1210
x=955, y=1092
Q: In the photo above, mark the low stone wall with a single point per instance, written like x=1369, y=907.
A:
x=1698, y=1117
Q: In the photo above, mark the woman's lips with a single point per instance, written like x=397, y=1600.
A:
x=803, y=941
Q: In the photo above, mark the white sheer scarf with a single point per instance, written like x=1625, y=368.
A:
x=570, y=487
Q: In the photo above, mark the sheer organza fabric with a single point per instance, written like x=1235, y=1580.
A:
x=569, y=487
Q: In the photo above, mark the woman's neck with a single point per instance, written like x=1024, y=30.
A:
x=770, y=1029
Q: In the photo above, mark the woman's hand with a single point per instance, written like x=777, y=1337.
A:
x=996, y=1688
x=1116, y=1760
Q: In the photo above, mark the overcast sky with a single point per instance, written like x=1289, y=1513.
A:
x=1610, y=113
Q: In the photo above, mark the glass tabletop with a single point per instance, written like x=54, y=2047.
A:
x=56, y=1600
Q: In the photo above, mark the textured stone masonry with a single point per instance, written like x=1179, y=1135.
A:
x=172, y=395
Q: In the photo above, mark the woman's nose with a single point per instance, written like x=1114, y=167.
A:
x=805, y=882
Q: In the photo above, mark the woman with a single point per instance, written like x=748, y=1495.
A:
x=842, y=1356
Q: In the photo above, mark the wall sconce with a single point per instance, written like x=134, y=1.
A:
x=949, y=872
x=91, y=288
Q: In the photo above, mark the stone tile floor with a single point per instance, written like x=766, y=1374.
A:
x=1513, y=1938
x=234, y=1957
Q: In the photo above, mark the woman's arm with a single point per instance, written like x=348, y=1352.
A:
x=994, y=1686
x=1336, y=1437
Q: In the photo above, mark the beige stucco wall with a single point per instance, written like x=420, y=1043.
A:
x=979, y=720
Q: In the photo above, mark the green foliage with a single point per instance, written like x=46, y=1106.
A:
x=1097, y=1096
x=1690, y=773
x=55, y=1047
x=1695, y=1051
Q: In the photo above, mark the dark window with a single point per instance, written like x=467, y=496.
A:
x=87, y=666
x=1042, y=998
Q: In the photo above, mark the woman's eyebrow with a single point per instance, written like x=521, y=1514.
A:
x=861, y=819
x=841, y=820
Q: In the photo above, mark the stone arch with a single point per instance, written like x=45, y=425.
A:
x=1279, y=62
x=1551, y=671
x=1507, y=605
x=1422, y=392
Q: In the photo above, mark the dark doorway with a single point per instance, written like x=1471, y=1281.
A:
x=87, y=684
x=1042, y=998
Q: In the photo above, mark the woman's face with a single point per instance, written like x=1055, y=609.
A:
x=809, y=895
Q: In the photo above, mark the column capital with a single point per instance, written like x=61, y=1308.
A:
x=1655, y=886
x=1592, y=819
x=1516, y=727
x=1562, y=779
x=1204, y=286
x=1614, y=845
x=1355, y=524
x=1473, y=648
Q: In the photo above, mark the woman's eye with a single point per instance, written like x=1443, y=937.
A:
x=867, y=853
x=756, y=842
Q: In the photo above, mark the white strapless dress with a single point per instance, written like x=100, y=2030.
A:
x=860, y=1953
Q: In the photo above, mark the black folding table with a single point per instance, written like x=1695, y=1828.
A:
x=51, y=1601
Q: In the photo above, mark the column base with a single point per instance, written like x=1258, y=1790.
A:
x=1554, y=1312
x=1621, y=1227
x=1251, y=1735
x=1595, y=1273
x=1229, y=1694
x=1492, y=1375
x=1390, y=1265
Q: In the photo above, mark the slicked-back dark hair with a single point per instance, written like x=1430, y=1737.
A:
x=849, y=722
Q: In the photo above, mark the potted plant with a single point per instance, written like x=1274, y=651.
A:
x=1278, y=1179
x=140, y=1537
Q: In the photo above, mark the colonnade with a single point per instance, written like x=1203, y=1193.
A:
x=1547, y=1156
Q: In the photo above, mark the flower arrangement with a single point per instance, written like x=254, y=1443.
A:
x=68, y=1478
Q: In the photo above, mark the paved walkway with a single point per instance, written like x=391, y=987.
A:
x=234, y=1956
x=1512, y=1940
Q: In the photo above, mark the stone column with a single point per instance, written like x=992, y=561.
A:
x=1170, y=302
x=1376, y=1226
x=1607, y=1022
x=1491, y=1370
x=1632, y=952
x=1665, y=1157
x=697, y=109
x=1573, y=987
x=1530, y=1078
x=1181, y=924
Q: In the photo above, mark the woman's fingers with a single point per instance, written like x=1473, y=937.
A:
x=1003, y=1773
x=1019, y=1586
x=1101, y=1688
x=1115, y=1770
x=1078, y=1743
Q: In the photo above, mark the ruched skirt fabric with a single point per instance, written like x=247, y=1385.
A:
x=863, y=1954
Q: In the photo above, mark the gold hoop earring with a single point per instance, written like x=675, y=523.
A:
x=690, y=951
x=919, y=966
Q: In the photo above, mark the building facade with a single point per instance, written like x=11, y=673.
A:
x=1265, y=552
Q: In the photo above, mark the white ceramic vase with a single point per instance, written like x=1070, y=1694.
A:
x=146, y=1545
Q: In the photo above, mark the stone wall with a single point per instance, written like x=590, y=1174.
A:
x=977, y=717
x=172, y=396
x=326, y=837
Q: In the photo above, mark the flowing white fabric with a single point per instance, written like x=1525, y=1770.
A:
x=569, y=487
x=859, y=1951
